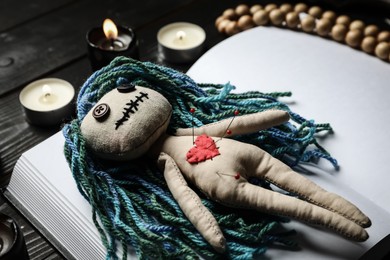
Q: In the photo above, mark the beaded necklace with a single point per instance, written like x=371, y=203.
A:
x=314, y=20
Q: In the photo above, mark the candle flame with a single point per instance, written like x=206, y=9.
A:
x=110, y=29
x=180, y=35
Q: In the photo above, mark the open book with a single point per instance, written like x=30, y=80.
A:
x=43, y=189
x=42, y=186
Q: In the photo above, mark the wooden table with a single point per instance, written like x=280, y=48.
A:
x=44, y=38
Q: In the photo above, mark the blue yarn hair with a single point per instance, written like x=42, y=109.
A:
x=130, y=200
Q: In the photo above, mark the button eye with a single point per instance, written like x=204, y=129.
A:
x=101, y=112
x=126, y=88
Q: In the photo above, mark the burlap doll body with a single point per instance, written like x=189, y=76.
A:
x=129, y=122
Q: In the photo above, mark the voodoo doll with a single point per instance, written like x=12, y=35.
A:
x=131, y=121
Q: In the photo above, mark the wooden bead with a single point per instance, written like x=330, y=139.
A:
x=382, y=50
x=269, y=7
x=371, y=30
x=357, y=24
x=354, y=38
x=260, y=17
x=323, y=27
x=229, y=14
x=242, y=10
x=308, y=23
x=300, y=8
x=343, y=19
x=255, y=8
x=231, y=28
x=338, y=32
x=245, y=22
x=330, y=15
x=383, y=36
x=292, y=19
x=218, y=20
x=276, y=16
x=222, y=25
x=286, y=8
x=368, y=44
x=315, y=11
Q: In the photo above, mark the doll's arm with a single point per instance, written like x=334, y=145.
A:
x=191, y=204
x=244, y=124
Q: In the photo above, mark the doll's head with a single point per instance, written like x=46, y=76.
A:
x=126, y=122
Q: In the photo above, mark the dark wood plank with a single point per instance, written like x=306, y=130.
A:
x=14, y=13
x=16, y=134
x=36, y=48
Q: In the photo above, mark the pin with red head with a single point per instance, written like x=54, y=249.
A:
x=228, y=131
x=192, y=111
x=236, y=176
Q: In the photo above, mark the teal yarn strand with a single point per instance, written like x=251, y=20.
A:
x=132, y=205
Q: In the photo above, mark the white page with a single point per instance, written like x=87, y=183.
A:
x=331, y=83
x=80, y=233
x=52, y=198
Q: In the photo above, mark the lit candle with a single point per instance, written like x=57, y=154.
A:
x=47, y=102
x=181, y=42
x=109, y=41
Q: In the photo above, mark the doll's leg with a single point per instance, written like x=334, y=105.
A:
x=261, y=199
x=191, y=204
x=281, y=175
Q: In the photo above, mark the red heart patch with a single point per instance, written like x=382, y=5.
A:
x=203, y=150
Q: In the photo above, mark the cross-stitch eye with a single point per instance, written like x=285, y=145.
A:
x=101, y=112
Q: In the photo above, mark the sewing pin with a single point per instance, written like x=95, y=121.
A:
x=228, y=131
x=192, y=110
x=236, y=176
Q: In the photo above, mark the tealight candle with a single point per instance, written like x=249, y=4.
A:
x=47, y=102
x=109, y=41
x=12, y=244
x=181, y=42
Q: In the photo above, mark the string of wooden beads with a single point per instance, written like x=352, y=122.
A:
x=354, y=33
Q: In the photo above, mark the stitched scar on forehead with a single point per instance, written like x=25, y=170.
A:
x=131, y=107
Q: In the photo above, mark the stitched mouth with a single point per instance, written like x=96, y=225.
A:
x=131, y=108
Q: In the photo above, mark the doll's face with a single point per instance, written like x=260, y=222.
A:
x=126, y=122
